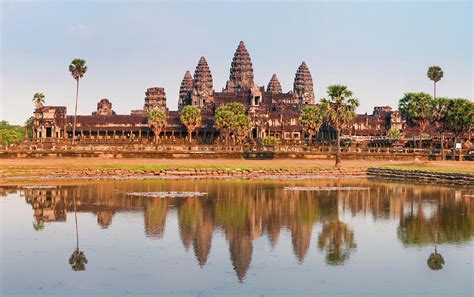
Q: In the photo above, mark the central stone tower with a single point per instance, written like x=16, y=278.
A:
x=202, y=91
x=303, y=86
x=241, y=71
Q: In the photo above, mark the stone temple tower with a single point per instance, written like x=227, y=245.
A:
x=241, y=71
x=185, y=90
x=303, y=86
x=155, y=98
x=202, y=91
x=274, y=85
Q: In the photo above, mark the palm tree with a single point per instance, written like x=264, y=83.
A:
x=438, y=116
x=339, y=110
x=77, y=68
x=416, y=108
x=311, y=118
x=338, y=240
x=435, y=261
x=78, y=259
x=38, y=99
x=459, y=120
x=435, y=73
x=191, y=118
x=157, y=121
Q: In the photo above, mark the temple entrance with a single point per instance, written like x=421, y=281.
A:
x=48, y=132
x=254, y=133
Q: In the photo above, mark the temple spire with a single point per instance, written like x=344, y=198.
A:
x=202, y=92
x=241, y=71
x=274, y=85
x=185, y=90
x=303, y=86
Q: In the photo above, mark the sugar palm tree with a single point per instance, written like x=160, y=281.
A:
x=191, y=118
x=459, y=120
x=311, y=118
x=157, y=121
x=435, y=260
x=38, y=99
x=338, y=240
x=339, y=111
x=435, y=73
x=77, y=68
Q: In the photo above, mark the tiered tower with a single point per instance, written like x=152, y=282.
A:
x=185, y=90
x=303, y=86
x=202, y=91
x=241, y=71
x=155, y=97
x=274, y=85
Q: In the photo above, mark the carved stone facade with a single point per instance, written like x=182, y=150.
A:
x=274, y=85
x=104, y=108
x=241, y=71
x=303, y=86
x=155, y=98
x=202, y=92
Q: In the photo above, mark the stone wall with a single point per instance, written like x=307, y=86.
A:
x=422, y=175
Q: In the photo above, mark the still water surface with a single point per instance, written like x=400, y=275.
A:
x=243, y=238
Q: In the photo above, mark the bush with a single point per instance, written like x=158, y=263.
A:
x=270, y=140
x=10, y=133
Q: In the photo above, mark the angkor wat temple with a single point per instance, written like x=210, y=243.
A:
x=272, y=111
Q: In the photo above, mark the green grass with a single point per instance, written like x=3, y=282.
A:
x=427, y=168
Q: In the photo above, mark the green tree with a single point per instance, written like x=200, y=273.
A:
x=10, y=133
x=339, y=111
x=232, y=118
x=416, y=108
x=311, y=118
x=439, y=111
x=191, y=118
x=77, y=68
x=157, y=121
x=38, y=99
x=459, y=119
x=435, y=73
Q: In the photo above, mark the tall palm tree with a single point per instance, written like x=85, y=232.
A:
x=38, y=99
x=435, y=73
x=339, y=110
x=435, y=260
x=157, y=121
x=77, y=68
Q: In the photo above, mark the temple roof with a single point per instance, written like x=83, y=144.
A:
x=185, y=89
x=202, y=75
x=303, y=85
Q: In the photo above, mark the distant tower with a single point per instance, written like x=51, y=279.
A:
x=155, y=97
x=303, y=86
x=104, y=108
x=185, y=90
x=274, y=85
x=202, y=92
x=241, y=71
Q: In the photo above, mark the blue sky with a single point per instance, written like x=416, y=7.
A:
x=379, y=49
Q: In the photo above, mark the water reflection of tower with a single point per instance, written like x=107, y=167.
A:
x=155, y=217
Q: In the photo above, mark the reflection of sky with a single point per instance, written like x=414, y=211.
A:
x=380, y=50
x=122, y=259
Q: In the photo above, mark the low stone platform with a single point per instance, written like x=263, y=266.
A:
x=422, y=175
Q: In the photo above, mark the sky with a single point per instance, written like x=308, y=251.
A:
x=380, y=50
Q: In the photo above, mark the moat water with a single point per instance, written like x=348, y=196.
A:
x=339, y=237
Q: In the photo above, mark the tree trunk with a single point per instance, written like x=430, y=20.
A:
x=310, y=138
x=190, y=135
x=75, y=113
x=338, y=152
x=75, y=220
x=453, y=153
x=434, y=91
x=442, y=147
x=460, y=150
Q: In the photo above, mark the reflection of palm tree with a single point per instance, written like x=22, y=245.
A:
x=78, y=259
x=38, y=224
x=435, y=261
x=338, y=241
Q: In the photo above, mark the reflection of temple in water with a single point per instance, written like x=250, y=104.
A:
x=246, y=211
